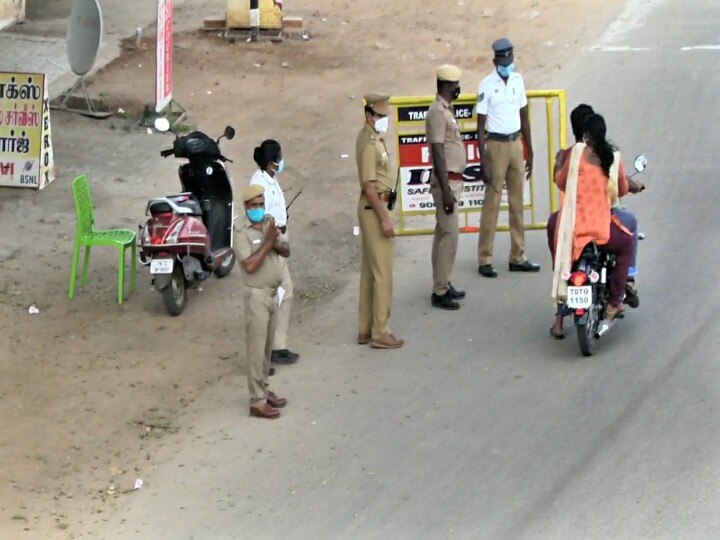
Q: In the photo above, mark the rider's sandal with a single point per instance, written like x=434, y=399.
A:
x=612, y=313
x=554, y=334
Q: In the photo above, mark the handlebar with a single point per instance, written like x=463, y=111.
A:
x=170, y=152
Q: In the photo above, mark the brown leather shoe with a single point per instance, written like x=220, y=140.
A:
x=364, y=339
x=264, y=410
x=275, y=401
x=387, y=342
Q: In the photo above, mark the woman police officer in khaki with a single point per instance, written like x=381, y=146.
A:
x=377, y=184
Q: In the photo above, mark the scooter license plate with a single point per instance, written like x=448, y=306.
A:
x=579, y=297
x=161, y=266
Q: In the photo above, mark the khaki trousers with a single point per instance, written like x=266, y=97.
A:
x=260, y=316
x=280, y=340
x=376, y=275
x=445, y=240
x=507, y=167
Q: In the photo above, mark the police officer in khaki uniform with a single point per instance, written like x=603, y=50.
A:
x=260, y=247
x=377, y=185
x=446, y=184
x=502, y=111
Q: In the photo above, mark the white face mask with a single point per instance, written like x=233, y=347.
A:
x=381, y=125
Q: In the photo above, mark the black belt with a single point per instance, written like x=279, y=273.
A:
x=504, y=138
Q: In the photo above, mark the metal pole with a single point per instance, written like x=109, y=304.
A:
x=254, y=19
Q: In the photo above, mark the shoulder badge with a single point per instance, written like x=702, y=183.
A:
x=481, y=97
x=371, y=138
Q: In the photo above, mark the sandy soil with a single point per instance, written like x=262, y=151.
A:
x=89, y=390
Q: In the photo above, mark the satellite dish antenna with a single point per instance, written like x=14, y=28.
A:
x=83, y=38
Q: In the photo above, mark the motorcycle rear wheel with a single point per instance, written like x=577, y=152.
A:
x=586, y=331
x=175, y=294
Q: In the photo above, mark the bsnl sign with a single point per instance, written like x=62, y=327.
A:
x=27, y=175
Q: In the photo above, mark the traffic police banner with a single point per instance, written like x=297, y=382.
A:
x=415, y=162
x=26, y=156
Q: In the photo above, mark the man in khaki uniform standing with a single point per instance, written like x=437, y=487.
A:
x=502, y=111
x=260, y=245
x=446, y=184
x=377, y=189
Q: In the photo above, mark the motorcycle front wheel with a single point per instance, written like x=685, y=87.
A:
x=175, y=294
x=586, y=326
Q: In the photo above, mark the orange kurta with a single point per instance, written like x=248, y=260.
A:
x=592, y=216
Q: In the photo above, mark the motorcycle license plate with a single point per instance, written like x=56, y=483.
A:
x=579, y=297
x=161, y=266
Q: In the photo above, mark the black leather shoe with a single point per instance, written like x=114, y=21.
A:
x=444, y=302
x=631, y=295
x=487, y=270
x=525, y=266
x=284, y=356
x=454, y=293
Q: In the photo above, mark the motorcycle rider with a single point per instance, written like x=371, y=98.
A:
x=591, y=174
x=269, y=159
x=578, y=116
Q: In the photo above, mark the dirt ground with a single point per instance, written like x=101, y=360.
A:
x=89, y=390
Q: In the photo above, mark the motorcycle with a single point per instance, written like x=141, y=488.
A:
x=188, y=236
x=588, y=290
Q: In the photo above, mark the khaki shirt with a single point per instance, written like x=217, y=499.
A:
x=248, y=240
x=441, y=127
x=373, y=160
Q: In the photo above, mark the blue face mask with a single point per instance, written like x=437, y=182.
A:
x=256, y=215
x=280, y=166
x=506, y=71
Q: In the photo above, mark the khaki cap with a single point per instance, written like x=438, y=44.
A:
x=253, y=191
x=380, y=103
x=449, y=73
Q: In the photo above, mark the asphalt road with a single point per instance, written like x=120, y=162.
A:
x=482, y=426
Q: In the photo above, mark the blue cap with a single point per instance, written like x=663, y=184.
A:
x=503, y=49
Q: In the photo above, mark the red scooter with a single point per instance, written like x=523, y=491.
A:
x=188, y=236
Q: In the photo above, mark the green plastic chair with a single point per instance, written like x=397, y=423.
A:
x=85, y=235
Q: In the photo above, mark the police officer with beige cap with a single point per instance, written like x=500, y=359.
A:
x=502, y=112
x=446, y=184
x=260, y=246
x=377, y=184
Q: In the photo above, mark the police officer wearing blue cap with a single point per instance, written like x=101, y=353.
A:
x=502, y=112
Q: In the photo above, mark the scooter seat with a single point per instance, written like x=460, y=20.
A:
x=193, y=205
x=187, y=200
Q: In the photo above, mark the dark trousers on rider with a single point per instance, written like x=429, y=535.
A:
x=620, y=243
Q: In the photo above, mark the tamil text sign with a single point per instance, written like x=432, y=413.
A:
x=26, y=157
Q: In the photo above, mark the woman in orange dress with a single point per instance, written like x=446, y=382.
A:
x=593, y=218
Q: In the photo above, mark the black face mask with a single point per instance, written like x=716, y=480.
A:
x=456, y=93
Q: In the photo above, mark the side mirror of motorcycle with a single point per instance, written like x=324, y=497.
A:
x=640, y=163
x=229, y=133
x=162, y=124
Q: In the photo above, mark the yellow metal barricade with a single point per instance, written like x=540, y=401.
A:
x=415, y=163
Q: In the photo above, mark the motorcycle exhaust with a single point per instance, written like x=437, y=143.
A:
x=603, y=328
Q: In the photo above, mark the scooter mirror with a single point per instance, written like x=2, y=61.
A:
x=162, y=124
x=640, y=163
x=229, y=133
